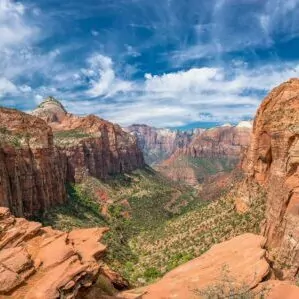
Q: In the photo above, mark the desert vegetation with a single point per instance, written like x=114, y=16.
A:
x=155, y=225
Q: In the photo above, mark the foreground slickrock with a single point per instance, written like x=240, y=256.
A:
x=41, y=263
x=241, y=259
x=272, y=162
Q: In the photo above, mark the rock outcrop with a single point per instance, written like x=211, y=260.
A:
x=92, y=145
x=158, y=144
x=227, y=141
x=38, y=262
x=237, y=265
x=272, y=162
x=36, y=164
x=209, y=155
x=32, y=170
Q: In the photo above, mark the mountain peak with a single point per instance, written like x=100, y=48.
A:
x=51, y=110
x=50, y=100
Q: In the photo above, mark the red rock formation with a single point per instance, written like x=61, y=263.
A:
x=210, y=153
x=92, y=145
x=240, y=260
x=219, y=141
x=159, y=144
x=38, y=262
x=272, y=162
x=32, y=170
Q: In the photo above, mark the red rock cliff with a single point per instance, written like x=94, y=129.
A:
x=272, y=162
x=159, y=144
x=32, y=170
x=220, y=141
x=209, y=155
x=92, y=145
x=35, y=164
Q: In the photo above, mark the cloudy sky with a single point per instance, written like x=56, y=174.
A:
x=174, y=63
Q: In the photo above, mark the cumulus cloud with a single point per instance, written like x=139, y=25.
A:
x=103, y=80
x=6, y=87
x=161, y=63
x=13, y=29
x=178, y=98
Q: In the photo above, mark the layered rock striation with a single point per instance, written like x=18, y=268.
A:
x=40, y=153
x=92, y=145
x=272, y=162
x=209, y=155
x=32, y=170
x=39, y=262
x=158, y=144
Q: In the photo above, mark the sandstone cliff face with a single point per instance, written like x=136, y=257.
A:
x=209, y=155
x=35, y=164
x=92, y=145
x=159, y=144
x=38, y=262
x=272, y=162
x=32, y=170
x=219, y=141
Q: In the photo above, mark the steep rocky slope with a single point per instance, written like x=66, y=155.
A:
x=272, y=162
x=36, y=164
x=32, y=170
x=38, y=262
x=232, y=269
x=159, y=144
x=92, y=145
x=209, y=155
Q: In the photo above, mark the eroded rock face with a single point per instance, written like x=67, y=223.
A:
x=35, y=165
x=272, y=162
x=38, y=262
x=159, y=144
x=219, y=141
x=209, y=155
x=92, y=145
x=32, y=170
x=240, y=260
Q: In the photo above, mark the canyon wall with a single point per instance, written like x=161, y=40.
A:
x=40, y=153
x=93, y=146
x=272, y=162
x=209, y=157
x=158, y=144
x=219, y=141
x=32, y=170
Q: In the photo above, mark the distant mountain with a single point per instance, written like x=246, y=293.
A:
x=158, y=144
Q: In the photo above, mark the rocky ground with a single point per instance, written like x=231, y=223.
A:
x=82, y=179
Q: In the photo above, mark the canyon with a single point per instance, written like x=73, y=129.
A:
x=158, y=144
x=210, y=155
x=165, y=237
x=40, y=153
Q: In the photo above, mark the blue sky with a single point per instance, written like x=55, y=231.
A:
x=167, y=63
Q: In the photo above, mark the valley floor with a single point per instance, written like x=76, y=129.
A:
x=155, y=224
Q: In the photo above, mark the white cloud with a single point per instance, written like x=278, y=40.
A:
x=6, y=87
x=103, y=80
x=13, y=29
x=179, y=98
